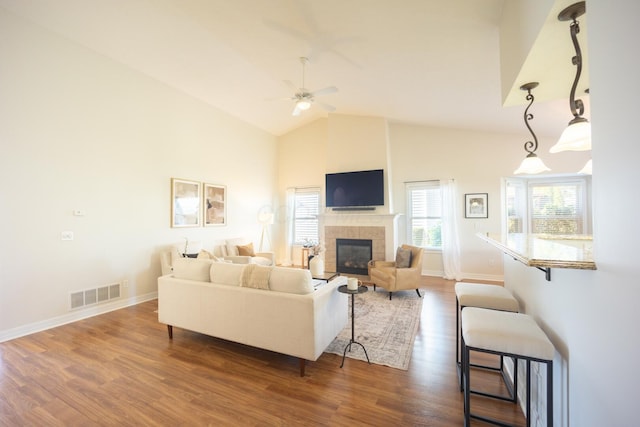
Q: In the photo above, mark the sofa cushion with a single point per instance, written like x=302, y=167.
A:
x=192, y=269
x=246, y=250
x=225, y=273
x=232, y=246
x=291, y=280
x=256, y=276
x=260, y=260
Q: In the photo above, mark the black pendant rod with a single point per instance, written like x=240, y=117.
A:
x=530, y=146
x=571, y=13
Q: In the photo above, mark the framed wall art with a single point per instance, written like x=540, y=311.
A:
x=185, y=203
x=215, y=205
x=476, y=205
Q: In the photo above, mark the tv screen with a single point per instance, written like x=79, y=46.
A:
x=352, y=189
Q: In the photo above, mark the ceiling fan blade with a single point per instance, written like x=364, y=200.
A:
x=326, y=107
x=280, y=98
x=296, y=111
x=325, y=91
x=291, y=85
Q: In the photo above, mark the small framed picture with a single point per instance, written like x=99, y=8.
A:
x=215, y=205
x=185, y=203
x=476, y=205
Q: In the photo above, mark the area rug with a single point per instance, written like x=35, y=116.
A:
x=387, y=329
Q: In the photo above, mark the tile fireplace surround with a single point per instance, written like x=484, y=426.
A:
x=380, y=229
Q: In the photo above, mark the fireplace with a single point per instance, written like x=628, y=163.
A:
x=353, y=255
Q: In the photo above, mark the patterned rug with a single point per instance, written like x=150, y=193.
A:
x=387, y=329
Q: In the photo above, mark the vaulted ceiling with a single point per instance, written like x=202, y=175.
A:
x=427, y=62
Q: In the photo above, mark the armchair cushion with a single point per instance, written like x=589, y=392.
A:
x=403, y=258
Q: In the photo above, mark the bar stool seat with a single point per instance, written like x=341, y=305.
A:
x=482, y=295
x=509, y=334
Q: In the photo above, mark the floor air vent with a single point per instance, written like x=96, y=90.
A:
x=94, y=296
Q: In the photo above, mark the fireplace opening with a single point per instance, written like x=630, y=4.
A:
x=353, y=255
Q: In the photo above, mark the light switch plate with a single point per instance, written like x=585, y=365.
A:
x=67, y=235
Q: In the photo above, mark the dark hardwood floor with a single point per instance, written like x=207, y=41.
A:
x=121, y=369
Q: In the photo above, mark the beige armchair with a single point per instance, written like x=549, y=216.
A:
x=386, y=275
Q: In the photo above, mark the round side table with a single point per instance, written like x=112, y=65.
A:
x=361, y=290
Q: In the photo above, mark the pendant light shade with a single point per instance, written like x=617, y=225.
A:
x=531, y=164
x=586, y=170
x=577, y=135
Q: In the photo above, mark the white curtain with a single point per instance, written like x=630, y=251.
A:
x=288, y=225
x=450, y=240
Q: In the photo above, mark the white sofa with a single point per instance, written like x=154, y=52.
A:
x=225, y=249
x=274, y=308
x=228, y=250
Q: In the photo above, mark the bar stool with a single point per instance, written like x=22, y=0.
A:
x=508, y=334
x=492, y=297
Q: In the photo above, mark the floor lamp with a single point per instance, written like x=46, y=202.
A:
x=266, y=219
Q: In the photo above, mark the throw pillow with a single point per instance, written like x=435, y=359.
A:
x=403, y=258
x=246, y=250
x=256, y=276
x=232, y=246
x=207, y=255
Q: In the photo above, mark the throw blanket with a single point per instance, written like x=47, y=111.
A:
x=256, y=276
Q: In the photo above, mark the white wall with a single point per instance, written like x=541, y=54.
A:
x=591, y=316
x=302, y=162
x=79, y=131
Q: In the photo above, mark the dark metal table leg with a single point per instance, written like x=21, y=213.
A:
x=353, y=335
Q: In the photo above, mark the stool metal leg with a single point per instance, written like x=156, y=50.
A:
x=466, y=374
x=528, y=393
x=550, y=393
x=467, y=383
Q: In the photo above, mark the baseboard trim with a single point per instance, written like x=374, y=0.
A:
x=74, y=316
x=487, y=277
x=468, y=276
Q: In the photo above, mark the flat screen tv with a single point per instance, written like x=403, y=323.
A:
x=355, y=189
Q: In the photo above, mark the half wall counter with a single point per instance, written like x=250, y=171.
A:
x=546, y=251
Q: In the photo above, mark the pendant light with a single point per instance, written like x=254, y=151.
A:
x=577, y=135
x=586, y=170
x=531, y=164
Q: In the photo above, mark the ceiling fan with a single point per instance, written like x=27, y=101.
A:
x=304, y=98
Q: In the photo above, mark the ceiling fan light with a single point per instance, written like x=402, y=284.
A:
x=531, y=164
x=303, y=104
x=576, y=137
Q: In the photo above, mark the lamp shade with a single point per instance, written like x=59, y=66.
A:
x=586, y=170
x=576, y=137
x=266, y=218
x=531, y=164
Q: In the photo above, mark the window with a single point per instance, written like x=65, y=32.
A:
x=548, y=205
x=306, y=210
x=424, y=214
